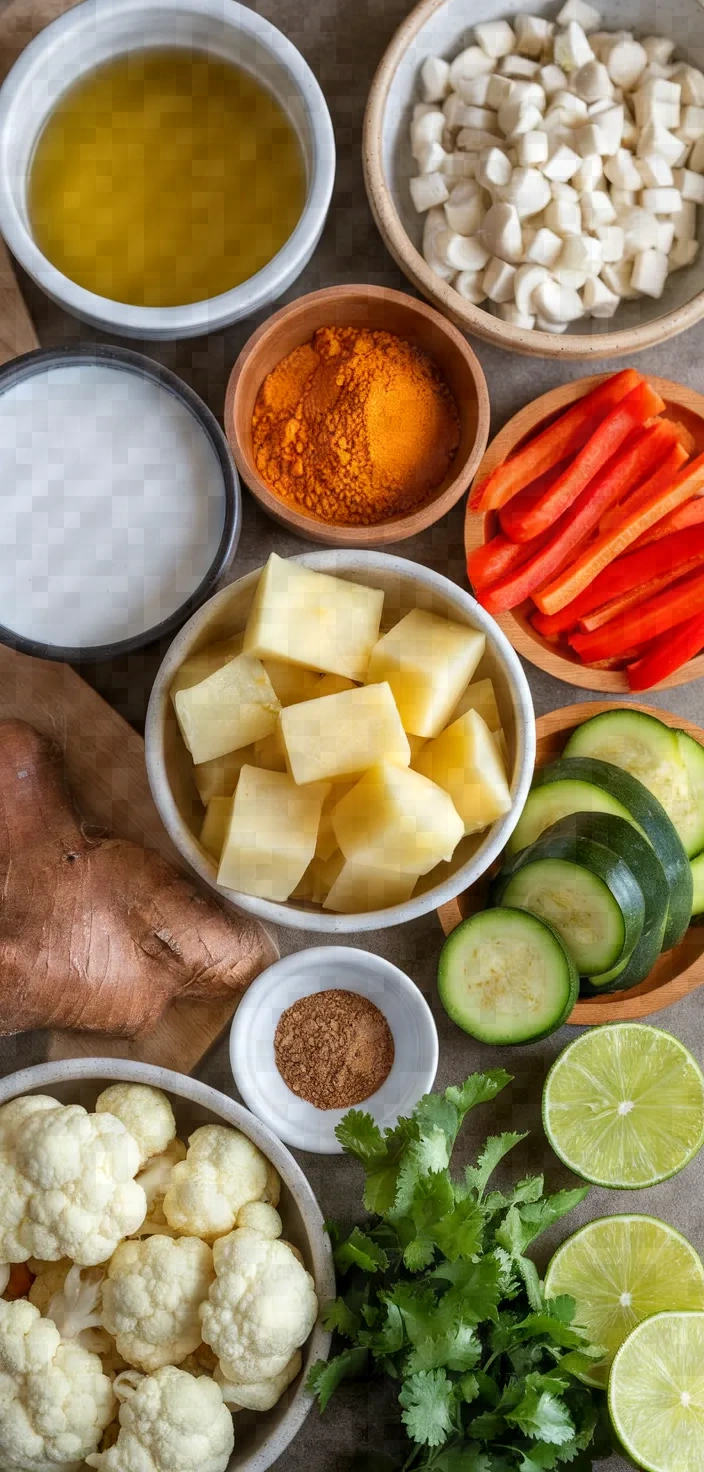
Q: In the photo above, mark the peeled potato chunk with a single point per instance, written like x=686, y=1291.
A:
x=309, y=618
x=291, y=683
x=427, y=661
x=341, y=735
x=465, y=761
x=272, y=834
x=396, y=819
x=319, y=878
x=480, y=697
x=234, y=706
x=327, y=842
x=359, y=887
x=270, y=752
x=215, y=825
x=218, y=777
x=205, y=663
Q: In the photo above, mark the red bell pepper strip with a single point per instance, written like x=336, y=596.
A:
x=608, y=547
x=570, y=533
x=691, y=514
x=651, y=619
x=497, y=558
x=562, y=438
x=600, y=616
x=641, y=404
x=512, y=514
x=667, y=654
x=618, y=576
x=661, y=477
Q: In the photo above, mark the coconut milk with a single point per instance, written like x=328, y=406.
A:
x=112, y=504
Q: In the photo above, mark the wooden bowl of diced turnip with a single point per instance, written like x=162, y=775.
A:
x=340, y=741
x=537, y=172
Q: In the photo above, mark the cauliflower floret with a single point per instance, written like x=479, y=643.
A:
x=66, y=1182
x=260, y=1395
x=151, y=1298
x=144, y=1111
x=49, y=1279
x=261, y=1218
x=4, y=1276
x=201, y=1362
x=169, y=1422
x=222, y=1171
x=155, y=1179
x=55, y=1401
x=260, y=1309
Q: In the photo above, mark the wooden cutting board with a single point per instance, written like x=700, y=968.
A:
x=106, y=773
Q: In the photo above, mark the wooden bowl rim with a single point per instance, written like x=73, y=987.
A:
x=474, y=319
x=593, y=1012
x=527, y=643
x=394, y=530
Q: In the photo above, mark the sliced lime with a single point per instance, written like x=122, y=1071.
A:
x=623, y=1106
x=656, y=1393
x=619, y=1270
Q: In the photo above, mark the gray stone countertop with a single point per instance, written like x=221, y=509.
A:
x=343, y=42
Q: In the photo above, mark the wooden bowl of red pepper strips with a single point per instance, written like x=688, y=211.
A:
x=676, y=973
x=584, y=532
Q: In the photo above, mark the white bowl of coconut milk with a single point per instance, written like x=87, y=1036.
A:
x=120, y=502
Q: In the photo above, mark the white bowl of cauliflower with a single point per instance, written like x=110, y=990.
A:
x=162, y=1264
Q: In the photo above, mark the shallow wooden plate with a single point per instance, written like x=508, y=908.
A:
x=683, y=404
x=677, y=972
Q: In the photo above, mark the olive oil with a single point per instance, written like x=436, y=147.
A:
x=165, y=178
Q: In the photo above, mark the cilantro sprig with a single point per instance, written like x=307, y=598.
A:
x=438, y=1293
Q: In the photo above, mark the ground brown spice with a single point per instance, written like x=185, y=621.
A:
x=333, y=1049
x=354, y=427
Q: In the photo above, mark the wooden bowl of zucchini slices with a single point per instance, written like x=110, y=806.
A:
x=609, y=851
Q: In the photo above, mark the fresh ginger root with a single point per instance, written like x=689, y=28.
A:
x=99, y=936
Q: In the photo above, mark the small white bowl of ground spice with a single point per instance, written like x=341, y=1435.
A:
x=326, y=1030
x=357, y=415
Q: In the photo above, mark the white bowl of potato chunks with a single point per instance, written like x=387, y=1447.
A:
x=163, y=1265
x=340, y=741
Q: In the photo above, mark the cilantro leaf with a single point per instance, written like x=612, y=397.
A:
x=459, y=1348
x=337, y=1315
x=543, y=1415
x=359, y=1250
x=523, y=1223
x=479, y=1088
x=324, y=1377
x=475, y=1290
x=360, y=1136
x=427, y=1399
x=464, y=1458
x=494, y=1150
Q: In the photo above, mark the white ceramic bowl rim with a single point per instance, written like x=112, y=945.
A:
x=119, y=1070
x=603, y=341
x=240, y=301
x=334, y=562
x=301, y=974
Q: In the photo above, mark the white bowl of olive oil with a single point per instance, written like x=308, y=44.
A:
x=166, y=166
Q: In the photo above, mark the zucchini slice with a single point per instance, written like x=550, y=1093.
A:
x=505, y=977
x=641, y=745
x=646, y=868
x=688, y=817
x=585, y=891
x=698, y=878
x=547, y=803
x=648, y=815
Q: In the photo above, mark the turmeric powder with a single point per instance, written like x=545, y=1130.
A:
x=354, y=427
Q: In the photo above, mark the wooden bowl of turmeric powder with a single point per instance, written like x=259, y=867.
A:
x=357, y=416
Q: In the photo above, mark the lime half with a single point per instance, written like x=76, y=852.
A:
x=619, y=1270
x=623, y=1106
x=656, y=1393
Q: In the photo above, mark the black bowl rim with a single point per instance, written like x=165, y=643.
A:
x=25, y=366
